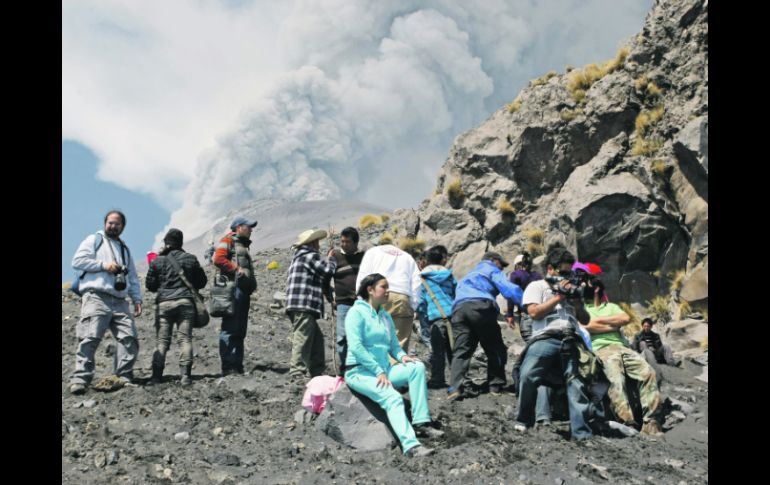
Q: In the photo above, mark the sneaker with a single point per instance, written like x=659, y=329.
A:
x=495, y=390
x=652, y=428
x=453, y=395
x=521, y=428
x=623, y=429
x=543, y=422
x=77, y=389
x=419, y=450
x=426, y=430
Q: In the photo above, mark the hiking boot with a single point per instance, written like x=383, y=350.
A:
x=623, y=429
x=186, y=371
x=426, y=430
x=419, y=450
x=228, y=372
x=157, y=375
x=652, y=428
x=436, y=385
x=77, y=389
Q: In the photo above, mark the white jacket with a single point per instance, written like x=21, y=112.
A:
x=397, y=266
x=96, y=278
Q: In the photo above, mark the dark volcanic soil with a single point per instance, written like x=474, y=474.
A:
x=241, y=429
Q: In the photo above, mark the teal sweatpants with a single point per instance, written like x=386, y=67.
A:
x=412, y=373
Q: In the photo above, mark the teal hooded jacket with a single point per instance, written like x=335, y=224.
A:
x=371, y=338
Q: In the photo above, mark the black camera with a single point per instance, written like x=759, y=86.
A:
x=577, y=279
x=120, y=278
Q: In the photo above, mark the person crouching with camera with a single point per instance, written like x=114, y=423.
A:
x=107, y=276
x=551, y=358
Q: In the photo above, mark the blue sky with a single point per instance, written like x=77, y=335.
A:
x=85, y=201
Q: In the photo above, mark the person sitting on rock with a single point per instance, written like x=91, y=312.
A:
x=648, y=343
x=620, y=362
x=371, y=337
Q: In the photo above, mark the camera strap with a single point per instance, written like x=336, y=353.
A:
x=109, y=244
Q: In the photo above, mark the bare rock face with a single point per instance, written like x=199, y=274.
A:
x=685, y=334
x=618, y=174
x=358, y=423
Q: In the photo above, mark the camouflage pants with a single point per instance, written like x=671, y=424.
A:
x=620, y=363
x=179, y=312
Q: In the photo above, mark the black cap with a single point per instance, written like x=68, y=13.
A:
x=494, y=255
x=174, y=237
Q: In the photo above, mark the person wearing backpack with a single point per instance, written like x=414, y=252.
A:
x=107, y=277
x=233, y=261
x=436, y=298
x=175, y=303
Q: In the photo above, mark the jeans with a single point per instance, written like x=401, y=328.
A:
x=342, y=350
x=548, y=362
x=233, y=333
x=441, y=350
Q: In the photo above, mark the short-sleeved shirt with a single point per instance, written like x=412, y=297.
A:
x=561, y=318
x=599, y=340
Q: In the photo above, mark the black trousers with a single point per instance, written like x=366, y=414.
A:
x=474, y=322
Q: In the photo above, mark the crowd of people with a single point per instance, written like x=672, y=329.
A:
x=564, y=317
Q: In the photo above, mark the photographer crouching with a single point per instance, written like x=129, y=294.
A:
x=550, y=358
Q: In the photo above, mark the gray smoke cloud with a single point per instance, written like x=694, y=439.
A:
x=376, y=92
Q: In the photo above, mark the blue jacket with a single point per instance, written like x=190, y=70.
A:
x=443, y=285
x=485, y=282
x=371, y=337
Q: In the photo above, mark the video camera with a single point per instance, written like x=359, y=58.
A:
x=578, y=280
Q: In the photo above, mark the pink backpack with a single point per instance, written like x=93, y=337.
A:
x=318, y=390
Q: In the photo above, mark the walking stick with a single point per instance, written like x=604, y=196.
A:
x=334, y=342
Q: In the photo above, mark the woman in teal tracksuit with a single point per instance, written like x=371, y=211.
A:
x=371, y=338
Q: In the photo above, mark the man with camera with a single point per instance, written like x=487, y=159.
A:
x=108, y=276
x=233, y=262
x=551, y=356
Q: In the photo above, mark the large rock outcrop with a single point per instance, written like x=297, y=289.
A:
x=617, y=171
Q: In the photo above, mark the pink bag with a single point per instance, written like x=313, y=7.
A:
x=150, y=256
x=318, y=390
